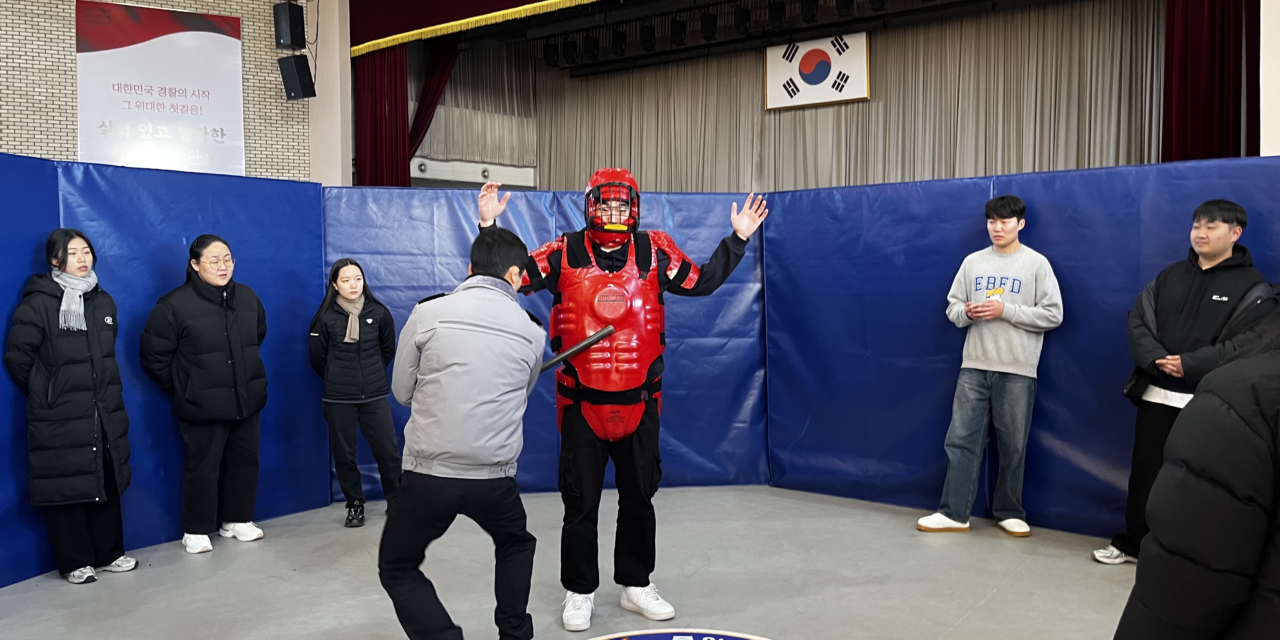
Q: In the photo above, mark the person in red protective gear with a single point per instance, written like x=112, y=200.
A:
x=608, y=397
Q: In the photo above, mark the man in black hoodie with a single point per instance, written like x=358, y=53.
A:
x=1195, y=315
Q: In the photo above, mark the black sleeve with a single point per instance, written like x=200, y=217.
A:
x=539, y=282
x=159, y=346
x=262, y=322
x=387, y=337
x=1144, y=348
x=24, y=342
x=713, y=272
x=319, y=344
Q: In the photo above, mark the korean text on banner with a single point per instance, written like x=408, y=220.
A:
x=159, y=89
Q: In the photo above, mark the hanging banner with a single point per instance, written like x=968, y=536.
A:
x=159, y=89
x=800, y=74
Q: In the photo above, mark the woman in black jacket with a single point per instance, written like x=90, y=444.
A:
x=201, y=346
x=1210, y=568
x=353, y=339
x=62, y=353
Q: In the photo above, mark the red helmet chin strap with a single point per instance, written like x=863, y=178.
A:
x=608, y=239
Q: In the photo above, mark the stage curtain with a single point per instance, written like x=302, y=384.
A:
x=381, y=85
x=1203, y=71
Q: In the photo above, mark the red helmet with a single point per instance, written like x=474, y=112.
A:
x=610, y=194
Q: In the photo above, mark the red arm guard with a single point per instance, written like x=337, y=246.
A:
x=665, y=244
x=541, y=255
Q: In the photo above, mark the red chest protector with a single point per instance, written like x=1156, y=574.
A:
x=592, y=298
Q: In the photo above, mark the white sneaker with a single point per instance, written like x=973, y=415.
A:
x=646, y=602
x=577, y=610
x=83, y=575
x=121, y=565
x=1112, y=555
x=938, y=523
x=242, y=531
x=196, y=543
x=1016, y=528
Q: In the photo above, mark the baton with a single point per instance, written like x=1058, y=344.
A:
x=577, y=348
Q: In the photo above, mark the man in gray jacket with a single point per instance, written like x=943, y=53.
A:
x=465, y=366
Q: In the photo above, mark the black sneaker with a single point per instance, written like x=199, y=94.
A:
x=355, y=516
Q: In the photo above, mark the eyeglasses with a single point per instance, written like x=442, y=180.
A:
x=216, y=263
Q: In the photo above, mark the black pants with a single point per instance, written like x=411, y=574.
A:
x=637, y=470
x=1154, y=423
x=425, y=506
x=220, y=478
x=374, y=420
x=88, y=534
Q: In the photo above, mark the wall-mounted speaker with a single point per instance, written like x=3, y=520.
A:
x=296, y=73
x=291, y=26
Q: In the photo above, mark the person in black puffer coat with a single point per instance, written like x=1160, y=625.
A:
x=61, y=351
x=201, y=345
x=353, y=340
x=1210, y=568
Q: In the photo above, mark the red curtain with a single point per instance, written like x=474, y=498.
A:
x=1203, y=64
x=442, y=54
x=381, y=85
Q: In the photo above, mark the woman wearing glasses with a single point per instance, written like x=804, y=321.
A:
x=61, y=351
x=201, y=346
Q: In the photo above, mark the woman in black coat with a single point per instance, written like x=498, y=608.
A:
x=62, y=353
x=353, y=339
x=201, y=346
x=1210, y=568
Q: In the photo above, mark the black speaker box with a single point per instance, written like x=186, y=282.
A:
x=296, y=73
x=291, y=27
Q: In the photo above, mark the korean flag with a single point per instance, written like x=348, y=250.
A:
x=817, y=72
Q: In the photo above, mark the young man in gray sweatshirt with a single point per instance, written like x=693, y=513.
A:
x=1008, y=297
x=465, y=366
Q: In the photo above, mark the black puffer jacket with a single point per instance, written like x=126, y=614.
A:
x=201, y=346
x=1210, y=568
x=353, y=371
x=69, y=377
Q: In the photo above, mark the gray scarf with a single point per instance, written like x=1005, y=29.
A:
x=353, y=309
x=71, y=314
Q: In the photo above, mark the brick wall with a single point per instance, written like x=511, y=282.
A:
x=38, y=84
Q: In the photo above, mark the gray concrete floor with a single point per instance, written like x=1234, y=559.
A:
x=778, y=564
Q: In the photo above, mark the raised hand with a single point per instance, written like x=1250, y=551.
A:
x=753, y=213
x=490, y=206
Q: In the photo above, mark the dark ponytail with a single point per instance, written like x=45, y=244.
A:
x=197, y=249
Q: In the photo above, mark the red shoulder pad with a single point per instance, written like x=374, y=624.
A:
x=679, y=260
x=542, y=254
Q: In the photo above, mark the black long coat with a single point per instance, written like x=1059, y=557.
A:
x=74, y=396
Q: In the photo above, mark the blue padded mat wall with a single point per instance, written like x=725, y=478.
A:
x=415, y=242
x=30, y=211
x=863, y=362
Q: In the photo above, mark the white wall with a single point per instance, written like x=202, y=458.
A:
x=1269, y=94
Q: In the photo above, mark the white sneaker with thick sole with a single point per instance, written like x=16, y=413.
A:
x=121, y=565
x=83, y=575
x=196, y=543
x=577, y=611
x=938, y=523
x=646, y=602
x=242, y=531
x=1112, y=555
x=1015, y=527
